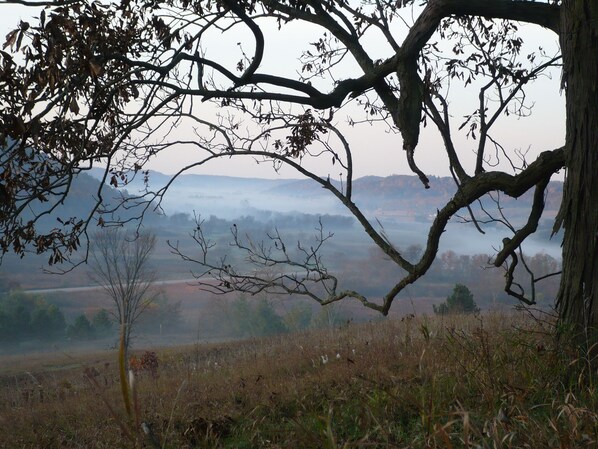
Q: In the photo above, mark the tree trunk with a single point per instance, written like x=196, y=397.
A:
x=577, y=302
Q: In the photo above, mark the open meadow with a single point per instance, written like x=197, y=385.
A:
x=488, y=381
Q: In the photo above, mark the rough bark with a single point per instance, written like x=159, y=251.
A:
x=577, y=301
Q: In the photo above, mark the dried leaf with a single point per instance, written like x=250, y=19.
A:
x=74, y=107
x=20, y=40
x=94, y=69
x=11, y=38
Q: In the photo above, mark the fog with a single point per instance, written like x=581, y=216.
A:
x=406, y=223
x=229, y=197
x=402, y=214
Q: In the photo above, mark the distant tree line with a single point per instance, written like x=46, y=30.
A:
x=25, y=317
x=264, y=220
x=248, y=317
x=259, y=317
x=29, y=317
x=82, y=328
x=372, y=274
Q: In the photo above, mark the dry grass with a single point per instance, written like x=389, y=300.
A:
x=462, y=382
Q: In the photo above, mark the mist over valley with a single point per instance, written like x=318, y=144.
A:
x=398, y=206
x=399, y=203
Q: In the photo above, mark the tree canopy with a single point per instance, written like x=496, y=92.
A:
x=113, y=84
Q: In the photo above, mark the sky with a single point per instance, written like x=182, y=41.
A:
x=375, y=150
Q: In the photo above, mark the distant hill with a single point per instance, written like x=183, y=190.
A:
x=400, y=204
x=401, y=197
x=82, y=196
x=380, y=192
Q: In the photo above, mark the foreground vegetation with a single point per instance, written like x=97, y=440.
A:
x=444, y=382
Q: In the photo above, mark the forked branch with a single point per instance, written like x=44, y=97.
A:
x=271, y=266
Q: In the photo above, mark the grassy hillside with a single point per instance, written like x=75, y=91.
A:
x=477, y=382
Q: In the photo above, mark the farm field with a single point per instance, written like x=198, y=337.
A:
x=495, y=380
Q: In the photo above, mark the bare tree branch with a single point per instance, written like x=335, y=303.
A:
x=120, y=265
x=102, y=84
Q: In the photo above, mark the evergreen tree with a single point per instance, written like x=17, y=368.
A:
x=460, y=301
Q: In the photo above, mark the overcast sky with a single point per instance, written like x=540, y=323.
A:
x=375, y=151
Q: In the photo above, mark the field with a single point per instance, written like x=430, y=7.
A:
x=490, y=381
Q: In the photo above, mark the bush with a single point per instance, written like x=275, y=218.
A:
x=460, y=301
